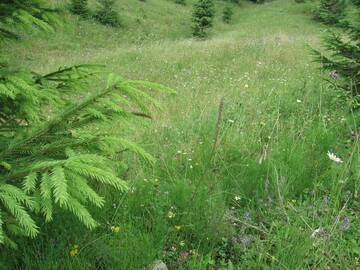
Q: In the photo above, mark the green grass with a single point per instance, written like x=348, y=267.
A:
x=235, y=211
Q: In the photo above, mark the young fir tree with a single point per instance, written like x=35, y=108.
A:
x=79, y=7
x=342, y=56
x=180, y=2
x=227, y=14
x=203, y=16
x=258, y=1
x=330, y=11
x=49, y=161
x=106, y=14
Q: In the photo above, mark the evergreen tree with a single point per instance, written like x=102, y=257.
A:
x=180, y=2
x=227, y=14
x=258, y=1
x=203, y=16
x=49, y=161
x=330, y=11
x=79, y=7
x=342, y=56
x=106, y=14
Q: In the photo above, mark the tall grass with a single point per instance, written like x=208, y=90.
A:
x=268, y=197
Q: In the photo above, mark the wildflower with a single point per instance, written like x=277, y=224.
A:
x=325, y=201
x=177, y=227
x=246, y=85
x=333, y=157
x=319, y=232
x=171, y=214
x=115, y=229
x=193, y=252
x=184, y=254
x=345, y=224
x=74, y=251
x=182, y=243
x=231, y=121
x=298, y=101
x=334, y=74
x=237, y=198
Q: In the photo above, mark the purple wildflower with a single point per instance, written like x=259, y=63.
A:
x=246, y=216
x=326, y=201
x=184, y=254
x=345, y=224
x=334, y=74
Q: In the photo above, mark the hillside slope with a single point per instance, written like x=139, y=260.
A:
x=253, y=202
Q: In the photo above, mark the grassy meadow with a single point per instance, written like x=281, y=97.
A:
x=251, y=189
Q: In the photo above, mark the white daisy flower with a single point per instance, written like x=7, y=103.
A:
x=334, y=158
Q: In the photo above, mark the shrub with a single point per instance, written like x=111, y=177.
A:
x=203, y=16
x=106, y=14
x=227, y=14
x=342, y=57
x=79, y=7
x=330, y=11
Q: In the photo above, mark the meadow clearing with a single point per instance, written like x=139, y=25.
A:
x=242, y=178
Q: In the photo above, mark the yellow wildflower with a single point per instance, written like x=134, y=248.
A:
x=74, y=251
x=115, y=229
x=177, y=227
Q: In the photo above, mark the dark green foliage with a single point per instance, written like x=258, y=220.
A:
x=106, y=14
x=14, y=14
x=180, y=2
x=258, y=1
x=227, y=14
x=203, y=16
x=79, y=7
x=356, y=2
x=330, y=11
x=342, y=56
